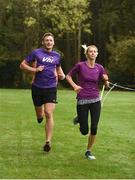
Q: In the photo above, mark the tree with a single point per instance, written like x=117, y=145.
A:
x=111, y=18
x=69, y=18
x=122, y=55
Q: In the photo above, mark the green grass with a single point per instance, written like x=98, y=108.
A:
x=21, y=139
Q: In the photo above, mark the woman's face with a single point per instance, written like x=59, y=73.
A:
x=92, y=53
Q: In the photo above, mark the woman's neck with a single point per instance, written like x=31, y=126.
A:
x=90, y=63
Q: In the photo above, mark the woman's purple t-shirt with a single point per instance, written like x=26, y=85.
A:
x=47, y=77
x=88, y=79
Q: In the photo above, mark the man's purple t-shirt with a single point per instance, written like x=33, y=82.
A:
x=88, y=79
x=47, y=77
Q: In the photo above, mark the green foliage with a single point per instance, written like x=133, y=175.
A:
x=23, y=22
x=116, y=17
x=68, y=15
x=122, y=55
x=10, y=74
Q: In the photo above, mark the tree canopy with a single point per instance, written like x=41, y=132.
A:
x=109, y=24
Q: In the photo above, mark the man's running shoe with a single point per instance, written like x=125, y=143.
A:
x=75, y=120
x=39, y=120
x=88, y=155
x=47, y=146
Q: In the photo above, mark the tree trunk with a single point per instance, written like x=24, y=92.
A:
x=79, y=44
x=68, y=52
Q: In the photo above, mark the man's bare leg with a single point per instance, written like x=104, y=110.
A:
x=48, y=111
x=39, y=113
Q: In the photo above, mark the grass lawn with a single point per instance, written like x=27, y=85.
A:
x=22, y=139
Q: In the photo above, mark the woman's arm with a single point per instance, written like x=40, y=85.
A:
x=73, y=84
x=106, y=80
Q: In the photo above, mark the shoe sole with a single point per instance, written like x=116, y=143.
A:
x=90, y=157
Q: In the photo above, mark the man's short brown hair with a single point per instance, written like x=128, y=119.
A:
x=47, y=34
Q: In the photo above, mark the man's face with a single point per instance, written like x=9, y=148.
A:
x=48, y=42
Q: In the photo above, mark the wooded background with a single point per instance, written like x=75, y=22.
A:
x=109, y=24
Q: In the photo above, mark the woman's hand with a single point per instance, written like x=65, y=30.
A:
x=77, y=88
x=106, y=84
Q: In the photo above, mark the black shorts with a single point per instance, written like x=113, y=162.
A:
x=41, y=96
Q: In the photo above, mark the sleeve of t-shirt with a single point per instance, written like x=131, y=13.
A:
x=74, y=70
x=102, y=71
x=30, y=57
x=59, y=61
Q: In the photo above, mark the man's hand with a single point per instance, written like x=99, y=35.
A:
x=61, y=76
x=39, y=68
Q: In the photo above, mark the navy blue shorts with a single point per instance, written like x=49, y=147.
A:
x=41, y=96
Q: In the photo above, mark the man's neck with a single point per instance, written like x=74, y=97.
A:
x=47, y=49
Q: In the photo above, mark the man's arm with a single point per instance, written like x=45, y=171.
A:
x=25, y=66
x=60, y=73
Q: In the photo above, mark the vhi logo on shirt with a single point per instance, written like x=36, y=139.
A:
x=48, y=59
